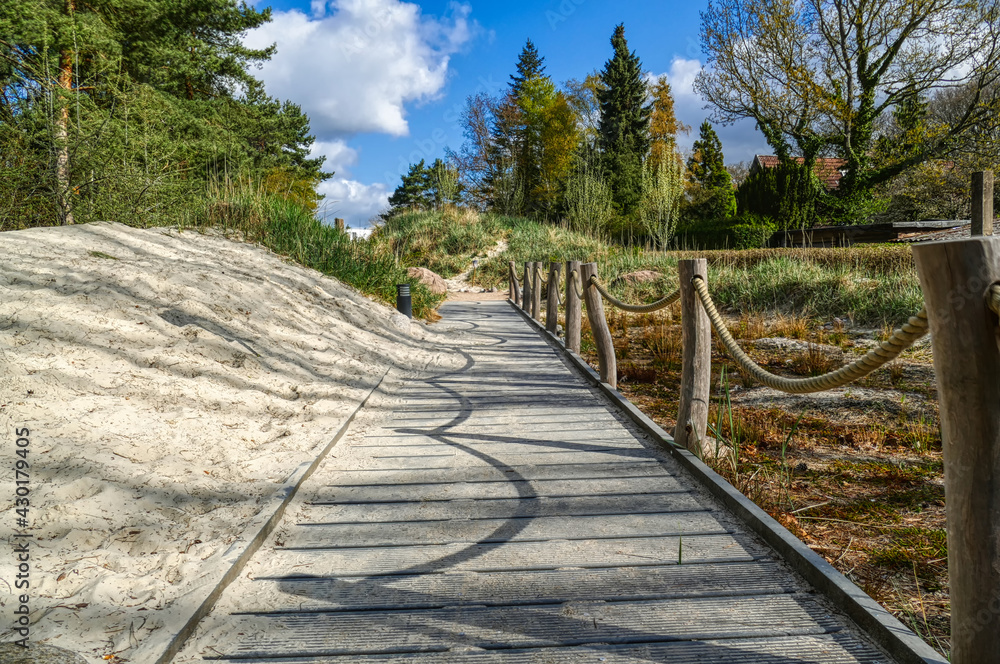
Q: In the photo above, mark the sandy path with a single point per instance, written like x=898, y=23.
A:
x=170, y=383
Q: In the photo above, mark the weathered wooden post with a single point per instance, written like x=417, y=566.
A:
x=536, y=290
x=574, y=310
x=513, y=292
x=982, y=203
x=696, y=363
x=956, y=277
x=526, y=289
x=552, y=299
x=599, y=326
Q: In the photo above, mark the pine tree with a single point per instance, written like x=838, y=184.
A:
x=413, y=191
x=714, y=197
x=624, y=126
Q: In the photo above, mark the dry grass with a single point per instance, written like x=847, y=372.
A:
x=865, y=493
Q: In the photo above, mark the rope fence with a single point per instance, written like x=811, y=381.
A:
x=960, y=281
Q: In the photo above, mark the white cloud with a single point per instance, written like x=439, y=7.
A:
x=339, y=156
x=353, y=65
x=352, y=200
x=740, y=141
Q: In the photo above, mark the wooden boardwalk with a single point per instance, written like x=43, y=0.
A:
x=506, y=513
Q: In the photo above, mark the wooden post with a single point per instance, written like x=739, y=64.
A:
x=696, y=363
x=526, y=289
x=339, y=223
x=552, y=299
x=956, y=277
x=573, y=307
x=982, y=203
x=599, y=327
x=536, y=290
x=515, y=292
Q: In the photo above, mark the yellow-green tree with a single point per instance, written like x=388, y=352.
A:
x=551, y=137
x=663, y=124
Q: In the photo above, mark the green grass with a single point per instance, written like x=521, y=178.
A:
x=293, y=231
x=870, y=285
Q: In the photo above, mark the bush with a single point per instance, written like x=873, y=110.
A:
x=752, y=231
x=745, y=231
x=787, y=194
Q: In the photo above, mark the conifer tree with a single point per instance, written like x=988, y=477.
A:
x=713, y=188
x=529, y=65
x=412, y=192
x=624, y=125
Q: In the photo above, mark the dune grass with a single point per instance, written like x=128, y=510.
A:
x=872, y=285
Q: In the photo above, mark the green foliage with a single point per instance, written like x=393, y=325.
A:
x=529, y=65
x=443, y=241
x=426, y=187
x=589, y=207
x=787, y=194
x=745, y=231
x=624, y=125
x=291, y=230
x=115, y=109
x=711, y=185
x=752, y=231
x=663, y=192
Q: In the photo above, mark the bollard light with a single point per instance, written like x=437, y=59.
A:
x=404, y=304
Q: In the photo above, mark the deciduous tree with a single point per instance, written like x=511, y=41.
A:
x=822, y=76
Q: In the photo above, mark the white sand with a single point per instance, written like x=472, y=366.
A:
x=168, y=393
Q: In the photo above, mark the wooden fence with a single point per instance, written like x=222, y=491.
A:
x=961, y=285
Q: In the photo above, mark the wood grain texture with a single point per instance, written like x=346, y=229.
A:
x=599, y=326
x=574, y=308
x=552, y=298
x=696, y=367
x=536, y=290
x=982, y=203
x=955, y=277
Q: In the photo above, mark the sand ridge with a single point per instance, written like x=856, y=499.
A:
x=171, y=382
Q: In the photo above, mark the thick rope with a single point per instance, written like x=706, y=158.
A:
x=889, y=350
x=540, y=276
x=577, y=283
x=662, y=303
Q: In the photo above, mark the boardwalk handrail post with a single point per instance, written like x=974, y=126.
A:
x=514, y=293
x=956, y=278
x=574, y=311
x=982, y=203
x=552, y=299
x=599, y=326
x=536, y=290
x=526, y=289
x=696, y=363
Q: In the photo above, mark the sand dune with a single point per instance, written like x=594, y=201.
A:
x=171, y=382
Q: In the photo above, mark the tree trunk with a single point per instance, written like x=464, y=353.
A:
x=63, y=185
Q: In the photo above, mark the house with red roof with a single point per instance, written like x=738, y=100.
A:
x=829, y=170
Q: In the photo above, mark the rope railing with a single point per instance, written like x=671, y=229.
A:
x=955, y=280
x=577, y=283
x=662, y=303
x=887, y=351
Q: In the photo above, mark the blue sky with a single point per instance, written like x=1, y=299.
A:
x=384, y=81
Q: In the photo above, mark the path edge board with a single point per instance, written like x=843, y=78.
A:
x=871, y=617
x=161, y=649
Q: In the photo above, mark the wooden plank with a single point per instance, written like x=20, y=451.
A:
x=429, y=591
x=438, y=630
